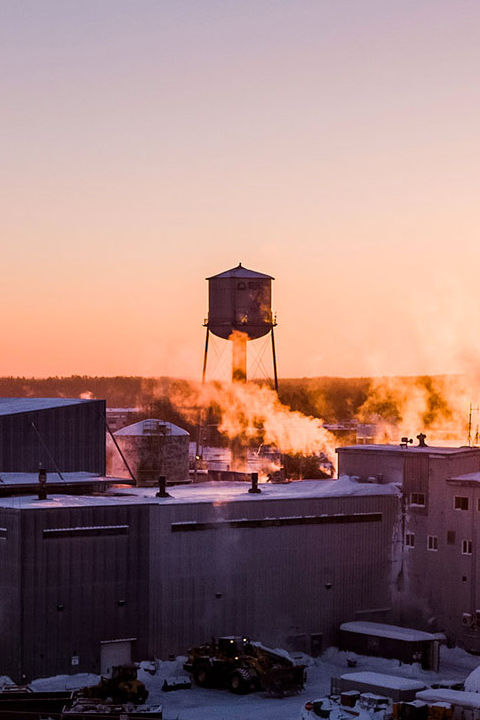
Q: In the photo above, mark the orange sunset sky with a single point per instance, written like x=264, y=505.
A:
x=332, y=144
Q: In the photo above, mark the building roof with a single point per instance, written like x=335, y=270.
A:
x=151, y=426
x=417, y=449
x=28, y=481
x=454, y=697
x=393, y=632
x=208, y=492
x=393, y=682
x=11, y=405
x=472, y=479
x=241, y=272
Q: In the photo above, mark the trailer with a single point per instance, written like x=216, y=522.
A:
x=18, y=702
x=465, y=705
x=398, y=689
x=391, y=641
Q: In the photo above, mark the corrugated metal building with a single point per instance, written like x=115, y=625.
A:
x=79, y=573
x=65, y=434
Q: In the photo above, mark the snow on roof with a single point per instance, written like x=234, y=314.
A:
x=208, y=492
x=152, y=426
x=454, y=697
x=394, y=632
x=466, y=479
x=387, y=681
x=472, y=682
x=123, y=410
x=240, y=272
x=427, y=450
x=19, y=479
x=10, y=405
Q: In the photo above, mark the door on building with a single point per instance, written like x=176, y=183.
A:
x=115, y=652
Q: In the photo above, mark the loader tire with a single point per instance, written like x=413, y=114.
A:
x=202, y=675
x=240, y=681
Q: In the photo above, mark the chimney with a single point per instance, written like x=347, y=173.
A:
x=254, y=488
x=42, y=484
x=162, y=482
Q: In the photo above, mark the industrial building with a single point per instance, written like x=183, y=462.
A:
x=88, y=581
x=98, y=573
x=437, y=587
x=58, y=434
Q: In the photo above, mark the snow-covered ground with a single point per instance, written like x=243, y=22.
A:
x=209, y=704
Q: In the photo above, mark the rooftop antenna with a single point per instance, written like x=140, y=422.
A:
x=470, y=413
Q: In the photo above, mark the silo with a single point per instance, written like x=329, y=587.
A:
x=152, y=447
x=240, y=309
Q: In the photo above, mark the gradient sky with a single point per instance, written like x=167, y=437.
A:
x=147, y=144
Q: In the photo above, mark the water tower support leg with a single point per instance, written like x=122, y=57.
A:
x=274, y=356
x=205, y=358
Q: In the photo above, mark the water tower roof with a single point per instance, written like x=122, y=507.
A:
x=241, y=272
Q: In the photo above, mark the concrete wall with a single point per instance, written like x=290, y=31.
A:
x=437, y=583
x=447, y=580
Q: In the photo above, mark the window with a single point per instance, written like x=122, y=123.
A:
x=460, y=503
x=432, y=542
x=467, y=547
x=450, y=537
x=417, y=499
x=409, y=539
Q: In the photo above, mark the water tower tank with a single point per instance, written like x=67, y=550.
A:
x=240, y=299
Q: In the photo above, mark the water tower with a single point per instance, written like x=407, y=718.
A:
x=239, y=310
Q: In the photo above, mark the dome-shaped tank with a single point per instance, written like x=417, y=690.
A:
x=240, y=299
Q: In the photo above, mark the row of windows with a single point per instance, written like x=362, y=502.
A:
x=459, y=502
x=432, y=542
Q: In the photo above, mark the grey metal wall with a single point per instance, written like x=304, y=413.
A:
x=172, y=575
x=73, y=437
x=83, y=579
x=10, y=593
x=270, y=581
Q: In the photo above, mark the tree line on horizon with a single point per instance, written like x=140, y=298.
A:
x=333, y=399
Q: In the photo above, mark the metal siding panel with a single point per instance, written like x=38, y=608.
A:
x=258, y=569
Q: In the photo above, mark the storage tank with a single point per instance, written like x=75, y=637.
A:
x=152, y=447
x=240, y=299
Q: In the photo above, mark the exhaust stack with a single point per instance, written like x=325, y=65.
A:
x=162, y=483
x=254, y=488
x=42, y=484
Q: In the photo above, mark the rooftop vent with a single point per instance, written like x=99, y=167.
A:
x=405, y=442
x=421, y=437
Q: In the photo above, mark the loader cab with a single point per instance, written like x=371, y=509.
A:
x=233, y=646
